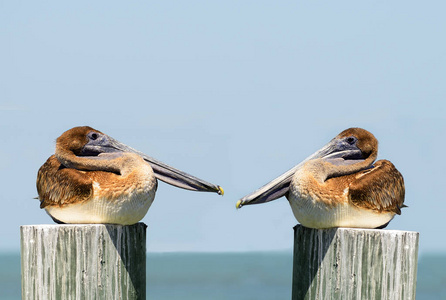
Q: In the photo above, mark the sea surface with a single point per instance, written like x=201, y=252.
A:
x=243, y=276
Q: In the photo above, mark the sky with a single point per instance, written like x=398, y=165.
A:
x=233, y=92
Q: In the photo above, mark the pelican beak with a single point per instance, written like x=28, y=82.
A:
x=162, y=171
x=334, y=151
x=179, y=178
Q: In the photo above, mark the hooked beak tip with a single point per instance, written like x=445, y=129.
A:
x=239, y=204
x=220, y=191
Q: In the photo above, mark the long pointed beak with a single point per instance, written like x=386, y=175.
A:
x=280, y=185
x=169, y=174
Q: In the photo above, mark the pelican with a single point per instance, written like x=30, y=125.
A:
x=339, y=185
x=93, y=178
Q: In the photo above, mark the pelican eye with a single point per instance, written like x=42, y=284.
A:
x=351, y=140
x=94, y=136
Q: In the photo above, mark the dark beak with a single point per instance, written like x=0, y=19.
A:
x=165, y=172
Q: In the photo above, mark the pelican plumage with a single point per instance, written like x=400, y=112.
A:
x=93, y=178
x=340, y=185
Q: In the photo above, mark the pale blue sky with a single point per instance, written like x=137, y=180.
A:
x=234, y=92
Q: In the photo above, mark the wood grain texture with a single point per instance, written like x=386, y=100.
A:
x=347, y=263
x=93, y=261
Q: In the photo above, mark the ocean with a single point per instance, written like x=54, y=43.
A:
x=238, y=276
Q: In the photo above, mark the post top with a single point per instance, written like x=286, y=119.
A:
x=53, y=226
x=357, y=230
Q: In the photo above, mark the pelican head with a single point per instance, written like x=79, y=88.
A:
x=353, y=146
x=85, y=141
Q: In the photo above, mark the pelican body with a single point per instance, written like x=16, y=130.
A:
x=92, y=178
x=340, y=185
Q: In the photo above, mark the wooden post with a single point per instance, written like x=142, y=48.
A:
x=347, y=263
x=93, y=261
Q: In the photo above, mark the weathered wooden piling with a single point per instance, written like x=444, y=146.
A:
x=346, y=263
x=92, y=261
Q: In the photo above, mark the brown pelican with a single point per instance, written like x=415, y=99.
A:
x=339, y=185
x=92, y=178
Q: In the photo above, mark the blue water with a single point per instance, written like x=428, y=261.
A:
x=258, y=275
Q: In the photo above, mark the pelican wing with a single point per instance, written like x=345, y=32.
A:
x=379, y=188
x=57, y=185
